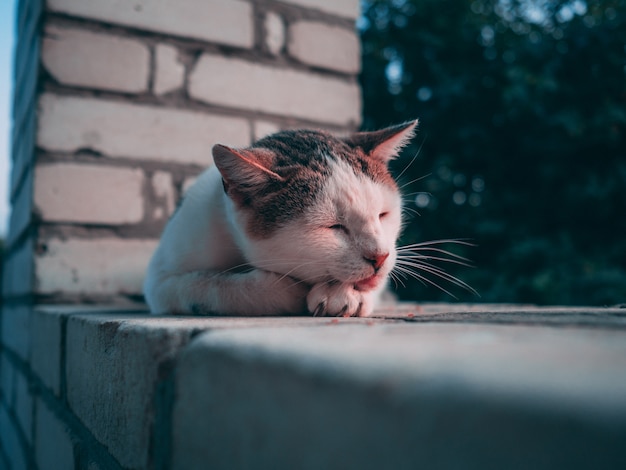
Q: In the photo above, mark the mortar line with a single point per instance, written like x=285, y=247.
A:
x=81, y=437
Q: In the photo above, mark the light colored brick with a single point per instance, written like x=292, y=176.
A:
x=169, y=72
x=325, y=46
x=246, y=85
x=274, y=32
x=53, y=448
x=122, y=358
x=163, y=187
x=346, y=8
x=223, y=21
x=46, y=348
x=95, y=60
x=263, y=128
x=116, y=129
x=94, y=266
x=69, y=192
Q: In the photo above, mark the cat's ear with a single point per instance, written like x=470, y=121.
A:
x=244, y=168
x=384, y=144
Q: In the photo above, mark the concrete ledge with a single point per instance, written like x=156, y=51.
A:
x=435, y=386
x=399, y=395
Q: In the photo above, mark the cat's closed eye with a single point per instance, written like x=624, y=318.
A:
x=339, y=227
x=382, y=215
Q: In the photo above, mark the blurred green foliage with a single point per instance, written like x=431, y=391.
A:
x=522, y=108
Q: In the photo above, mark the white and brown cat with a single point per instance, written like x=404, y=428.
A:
x=300, y=221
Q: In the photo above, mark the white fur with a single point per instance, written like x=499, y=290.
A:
x=310, y=251
x=304, y=265
x=202, y=241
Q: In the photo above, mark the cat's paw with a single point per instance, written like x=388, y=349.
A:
x=336, y=299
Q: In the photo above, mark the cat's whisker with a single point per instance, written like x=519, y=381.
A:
x=424, y=280
x=419, y=150
x=455, y=241
x=421, y=250
x=234, y=268
x=436, y=271
x=408, y=195
x=262, y=265
x=414, y=181
x=297, y=281
x=407, y=273
x=396, y=271
x=411, y=211
x=409, y=165
x=418, y=257
x=399, y=273
x=270, y=264
x=304, y=281
x=441, y=274
x=424, y=263
x=395, y=277
x=395, y=283
x=296, y=267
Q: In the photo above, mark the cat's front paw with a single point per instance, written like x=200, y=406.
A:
x=336, y=299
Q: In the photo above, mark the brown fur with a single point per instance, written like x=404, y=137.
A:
x=300, y=163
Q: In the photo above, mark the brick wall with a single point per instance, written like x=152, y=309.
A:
x=116, y=108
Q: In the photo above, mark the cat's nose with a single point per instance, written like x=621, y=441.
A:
x=376, y=259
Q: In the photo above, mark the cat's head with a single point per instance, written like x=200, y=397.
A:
x=317, y=207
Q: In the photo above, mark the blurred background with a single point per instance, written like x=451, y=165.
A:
x=522, y=108
x=521, y=147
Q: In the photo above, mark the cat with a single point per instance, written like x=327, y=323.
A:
x=301, y=221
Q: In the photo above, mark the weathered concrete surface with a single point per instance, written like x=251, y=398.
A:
x=401, y=394
x=113, y=364
x=117, y=363
x=430, y=386
x=614, y=317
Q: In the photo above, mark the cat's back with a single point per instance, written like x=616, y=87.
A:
x=198, y=235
